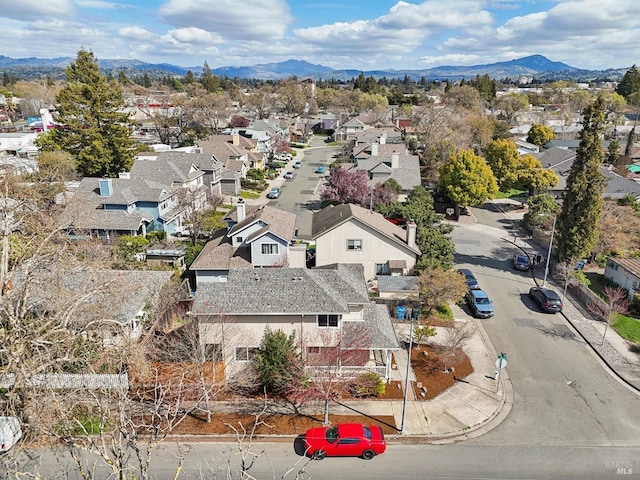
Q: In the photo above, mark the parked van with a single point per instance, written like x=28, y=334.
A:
x=10, y=432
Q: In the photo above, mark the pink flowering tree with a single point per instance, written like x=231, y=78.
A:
x=347, y=186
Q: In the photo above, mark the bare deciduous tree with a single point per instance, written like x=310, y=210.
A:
x=454, y=340
x=343, y=353
x=616, y=300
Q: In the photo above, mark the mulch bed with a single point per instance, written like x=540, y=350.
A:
x=430, y=374
x=273, y=424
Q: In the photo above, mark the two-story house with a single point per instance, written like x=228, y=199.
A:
x=352, y=234
x=255, y=237
x=327, y=309
x=144, y=199
x=389, y=161
x=348, y=130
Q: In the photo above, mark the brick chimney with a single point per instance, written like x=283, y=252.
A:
x=411, y=233
x=240, y=210
x=374, y=150
x=235, y=139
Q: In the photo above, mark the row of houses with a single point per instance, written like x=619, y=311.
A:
x=253, y=272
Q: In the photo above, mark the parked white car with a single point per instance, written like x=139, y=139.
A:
x=182, y=231
x=10, y=432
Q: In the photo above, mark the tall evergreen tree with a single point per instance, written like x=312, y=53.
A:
x=577, y=224
x=630, y=83
x=208, y=80
x=613, y=152
x=93, y=127
x=630, y=141
x=432, y=236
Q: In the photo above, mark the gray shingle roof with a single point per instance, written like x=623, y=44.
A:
x=108, y=294
x=111, y=220
x=332, y=216
x=219, y=254
x=407, y=174
x=279, y=291
x=378, y=323
x=169, y=168
x=398, y=283
x=278, y=221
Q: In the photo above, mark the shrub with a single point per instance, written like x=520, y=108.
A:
x=128, y=245
x=582, y=278
x=368, y=384
x=156, y=235
x=635, y=303
x=255, y=174
x=278, y=361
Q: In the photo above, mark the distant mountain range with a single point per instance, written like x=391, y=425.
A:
x=536, y=66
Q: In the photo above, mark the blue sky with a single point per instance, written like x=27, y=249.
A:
x=358, y=34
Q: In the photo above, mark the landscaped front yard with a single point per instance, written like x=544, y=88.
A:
x=430, y=376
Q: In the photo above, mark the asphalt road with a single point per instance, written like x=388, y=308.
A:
x=461, y=461
x=563, y=395
x=300, y=195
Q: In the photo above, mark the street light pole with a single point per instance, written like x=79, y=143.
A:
x=546, y=265
x=406, y=381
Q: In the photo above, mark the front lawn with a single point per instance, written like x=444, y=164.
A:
x=249, y=194
x=627, y=327
x=511, y=193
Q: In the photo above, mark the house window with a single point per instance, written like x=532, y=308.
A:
x=330, y=321
x=212, y=352
x=238, y=239
x=245, y=354
x=382, y=269
x=354, y=244
x=269, y=249
x=313, y=350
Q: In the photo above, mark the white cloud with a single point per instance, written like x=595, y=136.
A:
x=403, y=29
x=136, y=33
x=32, y=9
x=247, y=20
x=452, y=59
x=577, y=32
x=100, y=5
x=195, y=36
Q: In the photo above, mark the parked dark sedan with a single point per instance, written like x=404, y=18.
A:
x=472, y=283
x=521, y=262
x=548, y=300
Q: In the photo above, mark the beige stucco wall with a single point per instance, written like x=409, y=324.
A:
x=247, y=331
x=376, y=248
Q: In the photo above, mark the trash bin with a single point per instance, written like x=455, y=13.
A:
x=400, y=312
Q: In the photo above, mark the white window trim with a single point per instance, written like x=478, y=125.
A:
x=353, y=246
x=328, y=320
x=263, y=245
x=246, y=349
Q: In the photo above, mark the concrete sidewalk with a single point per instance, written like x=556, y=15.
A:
x=465, y=407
